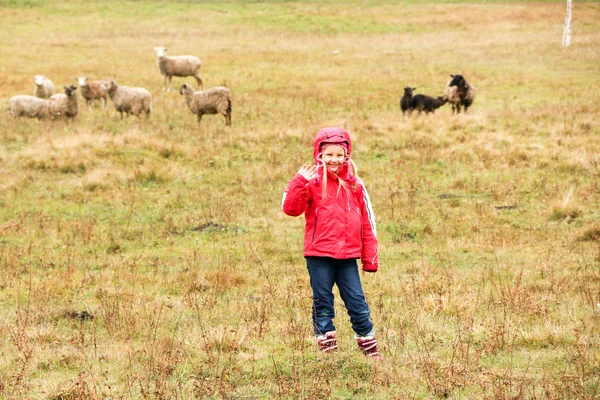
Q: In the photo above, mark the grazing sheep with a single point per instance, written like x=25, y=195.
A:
x=28, y=106
x=129, y=100
x=421, y=102
x=406, y=100
x=44, y=88
x=64, y=105
x=177, y=66
x=92, y=90
x=212, y=101
x=459, y=93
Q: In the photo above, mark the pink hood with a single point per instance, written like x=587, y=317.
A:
x=334, y=135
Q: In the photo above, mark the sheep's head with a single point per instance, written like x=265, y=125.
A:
x=408, y=91
x=38, y=79
x=69, y=90
x=443, y=99
x=82, y=81
x=108, y=85
x=160, y=51
x=185, y=88
x=457, y=80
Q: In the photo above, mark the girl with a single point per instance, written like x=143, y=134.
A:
x=340, y=228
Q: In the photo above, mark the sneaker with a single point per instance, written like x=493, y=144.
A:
x=327, y=342
x=368, y=345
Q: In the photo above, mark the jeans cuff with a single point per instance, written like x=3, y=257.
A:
x=370, y=334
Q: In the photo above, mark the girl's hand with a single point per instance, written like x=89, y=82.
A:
x=308, y=171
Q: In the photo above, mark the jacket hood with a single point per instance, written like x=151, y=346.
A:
x=333, y=135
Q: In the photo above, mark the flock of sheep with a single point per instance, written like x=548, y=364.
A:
x=136, y=101
x=129, y=100
x=459, y=93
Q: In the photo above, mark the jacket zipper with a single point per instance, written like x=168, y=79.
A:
x=315, y=227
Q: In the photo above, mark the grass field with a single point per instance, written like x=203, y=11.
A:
x=151, y=259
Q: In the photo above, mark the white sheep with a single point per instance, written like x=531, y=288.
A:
x=44, y=88
x=92, y=90
x=212, y=101
x=28, y=106
x=129, y=100
x=64, y=105
x=177, y=66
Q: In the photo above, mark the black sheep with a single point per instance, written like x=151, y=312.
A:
x=421, y=102
x=406, y=100
x=459, y=93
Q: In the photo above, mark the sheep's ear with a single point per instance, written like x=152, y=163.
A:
x=451, y=76
x=414, y=88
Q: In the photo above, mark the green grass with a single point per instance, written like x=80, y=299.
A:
x=172, y=237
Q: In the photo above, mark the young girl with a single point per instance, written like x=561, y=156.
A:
x=340, y=227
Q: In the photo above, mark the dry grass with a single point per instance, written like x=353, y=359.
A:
x=150, y=259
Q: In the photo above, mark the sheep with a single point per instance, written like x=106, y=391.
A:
x=28, y=106
x=129, y=100
x=44, y=88
x=405, y=101
x=92, y=90
x=177, y=66
x=216, y=100
x=64, y=105
x=459, y=93
x=421, y=102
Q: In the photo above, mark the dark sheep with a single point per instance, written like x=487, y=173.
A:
x=459, y=93
x=406, y=100
x=421, y=102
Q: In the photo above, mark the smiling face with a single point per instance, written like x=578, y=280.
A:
x=333, y=157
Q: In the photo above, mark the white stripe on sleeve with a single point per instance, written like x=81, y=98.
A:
x=370, y=211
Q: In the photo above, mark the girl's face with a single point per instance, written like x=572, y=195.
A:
x=333, y=157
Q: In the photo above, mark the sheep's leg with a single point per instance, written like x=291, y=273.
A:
x=199, y=82
x=199, y=118
x=228, y=119
x=89, y=104
x=166, y=83
x=170, y=86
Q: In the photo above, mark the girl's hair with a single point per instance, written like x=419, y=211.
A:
x=352, y=170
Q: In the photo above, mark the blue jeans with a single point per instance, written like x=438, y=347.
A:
x=324, y=272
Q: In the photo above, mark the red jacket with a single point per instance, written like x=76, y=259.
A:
x=343, y=225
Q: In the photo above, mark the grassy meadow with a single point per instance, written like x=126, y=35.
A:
x=151, y=259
